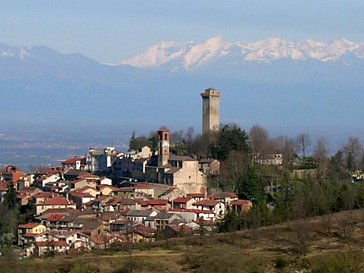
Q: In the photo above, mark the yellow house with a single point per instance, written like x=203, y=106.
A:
x=27, y=232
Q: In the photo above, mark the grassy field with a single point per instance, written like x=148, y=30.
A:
x=324, y=244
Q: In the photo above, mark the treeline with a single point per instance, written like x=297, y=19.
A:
x=309, y=182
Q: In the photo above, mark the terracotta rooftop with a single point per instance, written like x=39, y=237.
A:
x=181, y=200
x=3, y=186
x=210, y=203
x=58, y=200
x=52, y=243
x=29, y=225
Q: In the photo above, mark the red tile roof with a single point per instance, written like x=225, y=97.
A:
x=196, y=195
x=3, y=186
x=29, y=225
x=210, y=203
x=197, y=211
x=56, y=201
x=56, y=217
x=52, y=243
x=247, y=204
x=181, y=200
x=154, y=202
x=72, y=161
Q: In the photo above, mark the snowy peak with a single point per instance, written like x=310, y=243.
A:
x=191, y=55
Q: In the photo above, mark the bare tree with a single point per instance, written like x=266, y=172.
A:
x=320, y=154
x=259, y=141
x=303, y=141
x=288, y=148
x=353, y=153
x=232, y=169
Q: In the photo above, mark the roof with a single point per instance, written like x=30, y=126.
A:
x=210, y=203
x=3, y=186
x=72, y=161
x=58, y=200
x=29, y=225
x=196, y=195
x=181, y=200
x=139, y=213
x=145, y=231
x=223, y=195
x=197, y=211
x=246, y=203
x=56, y=217
x=143, y=186
x=157, y=202
x=52, y=243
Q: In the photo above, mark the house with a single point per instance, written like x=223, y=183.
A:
x=27, y=232
x=80, y=199
x=183, y=230
x=190, y=215
x=54, y=203
x=145, y=188
x=61, y=241
x=269, y=159
x=100, y=161
x=197, y=196
x=121, y=225
x=11, y=174
x=171, y=193
x=77, y=163
x=50, y=178
x=142, y=233
x=183, y=203
x=162, y=219
x=139, y=216
x=209, y=166
x=107, y=190
x=225, y=197
x=241, y=206
x=217, y=207
x=158, y=204
x=3, y=189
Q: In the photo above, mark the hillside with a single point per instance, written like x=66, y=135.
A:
x=331, y=243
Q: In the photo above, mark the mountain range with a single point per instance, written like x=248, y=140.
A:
x=284, y=86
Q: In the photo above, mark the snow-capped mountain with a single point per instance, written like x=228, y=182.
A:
x=192, y=55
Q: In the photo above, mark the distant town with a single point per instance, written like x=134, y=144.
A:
x=170, y=185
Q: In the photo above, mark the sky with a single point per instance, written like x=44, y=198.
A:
x=113, y=30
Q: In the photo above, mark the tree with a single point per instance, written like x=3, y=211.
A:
x=250, y=186
x=352, y=153
x=136, y=143
x=259, y=141
x=288, y=148
x=232, y=169
x=303, y=141
x=230, y=138
x=10, y=197
x=320, y=155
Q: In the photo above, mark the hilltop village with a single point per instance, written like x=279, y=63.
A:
x=108, y=197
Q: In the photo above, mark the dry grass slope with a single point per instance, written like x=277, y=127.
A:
x=331, y=243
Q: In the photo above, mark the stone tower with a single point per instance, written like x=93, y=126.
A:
x=163, y=147
x=210, y=110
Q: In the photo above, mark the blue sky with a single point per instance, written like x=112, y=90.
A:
x=112, y=30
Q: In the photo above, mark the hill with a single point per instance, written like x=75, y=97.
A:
x=330, y=243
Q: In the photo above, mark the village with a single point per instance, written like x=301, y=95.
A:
x=108, y=197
